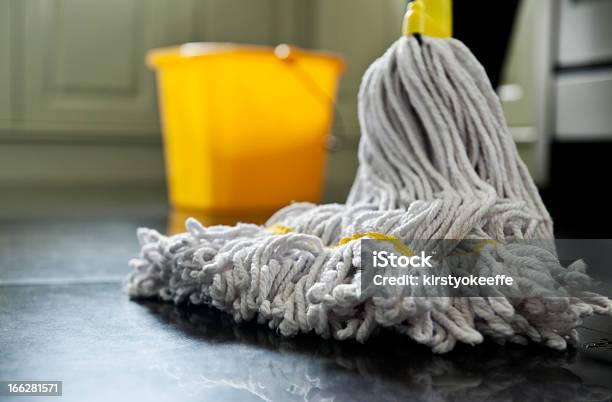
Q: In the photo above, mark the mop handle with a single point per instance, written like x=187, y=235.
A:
x=429, y=17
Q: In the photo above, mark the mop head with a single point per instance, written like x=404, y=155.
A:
x=436, y=162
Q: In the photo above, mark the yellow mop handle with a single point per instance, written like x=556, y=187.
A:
x=429, y=17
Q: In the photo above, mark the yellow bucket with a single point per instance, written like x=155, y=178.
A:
x=245, y=127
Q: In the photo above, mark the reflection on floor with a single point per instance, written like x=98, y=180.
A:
x=387, y=368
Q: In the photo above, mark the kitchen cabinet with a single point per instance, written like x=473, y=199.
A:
x=584, y=72
x=72, y=73
x=584, y=32
x=77, y=67
x=526, y=91
x=236, y=21
x=73, y=80
x=5, y=62
x=583, y=104
x=360, y=30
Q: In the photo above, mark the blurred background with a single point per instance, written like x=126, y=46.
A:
x=80, y=130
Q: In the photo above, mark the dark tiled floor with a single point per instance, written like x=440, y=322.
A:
x=65, y=251
x=64, y=317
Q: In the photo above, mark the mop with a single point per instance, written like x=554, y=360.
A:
x=436, y=163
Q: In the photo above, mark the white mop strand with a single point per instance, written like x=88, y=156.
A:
x=436, y=162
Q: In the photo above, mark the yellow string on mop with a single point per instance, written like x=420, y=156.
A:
x=279, y=229
x=397, y=243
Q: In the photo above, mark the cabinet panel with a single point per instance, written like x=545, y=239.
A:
x=79, y=33
x=585, y=32
x=527, y=82
x=583, y=106
x=84, y=63
x=5, y=62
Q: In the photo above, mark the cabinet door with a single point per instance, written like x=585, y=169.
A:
x=360, y=30
x=5, y=63
x=585, y=32
x=527, y=82
x=84, y=65
x=240, y=21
